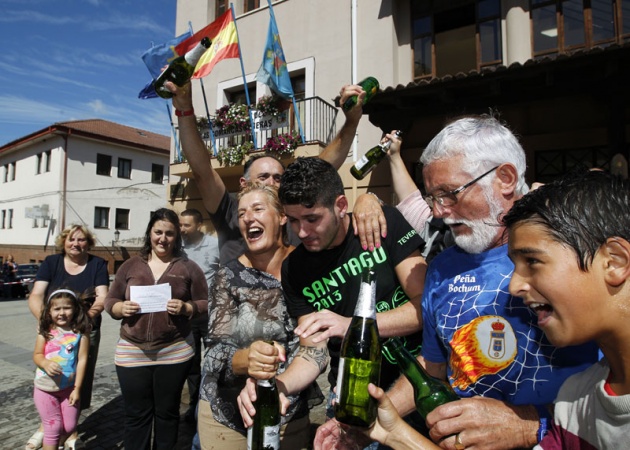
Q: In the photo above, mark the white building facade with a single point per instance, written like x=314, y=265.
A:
x=101, y=174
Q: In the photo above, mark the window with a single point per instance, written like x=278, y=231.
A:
x=552, y=164
x=104, y=164
x=3, y=218
x=422, y=43
x=221, y=7
x=47, y=158
x=124, y=168
x=250, y=5
x=489, y=19
x=9, y=172
x=122, y=219
x=43, y=162
x=101, y=217
x=623, y=12
x=157, y=173
x=561, y=26
x=238, y=97
x=455, y=39
x=10, y=225
x=298, y=84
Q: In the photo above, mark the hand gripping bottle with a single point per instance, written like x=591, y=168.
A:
x=181, y=68
x=264, y=434
x=428, y=392
x=369, y=161
x=370, y=86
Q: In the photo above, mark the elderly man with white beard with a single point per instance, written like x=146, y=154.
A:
x=476, y=336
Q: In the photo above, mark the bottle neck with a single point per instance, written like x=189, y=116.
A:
x=194, y=55
x=406, y=362
x=266, y=383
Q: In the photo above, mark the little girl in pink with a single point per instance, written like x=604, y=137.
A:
x=60, y=354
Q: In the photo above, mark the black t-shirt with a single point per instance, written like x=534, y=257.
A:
x=53, y=271
x=225, y=221
x=331, y=280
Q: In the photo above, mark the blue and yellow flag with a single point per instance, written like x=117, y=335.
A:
x=273, y=70
x=156, y=58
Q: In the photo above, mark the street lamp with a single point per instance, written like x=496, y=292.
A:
x=116, y=238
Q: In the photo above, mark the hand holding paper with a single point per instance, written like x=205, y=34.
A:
x=151, y=298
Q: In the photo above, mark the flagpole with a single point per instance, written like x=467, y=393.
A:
x=240, y=58
x=297, y=117
x=205, y=104
x=177, y=149
x=295, y=110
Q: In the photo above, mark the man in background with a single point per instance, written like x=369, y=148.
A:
x=204, y=250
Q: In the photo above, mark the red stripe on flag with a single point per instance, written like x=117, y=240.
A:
x=229, y=51
x=209, y=31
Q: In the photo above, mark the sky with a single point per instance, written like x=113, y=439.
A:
x=64, y=60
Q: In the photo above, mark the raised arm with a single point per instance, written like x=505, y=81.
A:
x=209, y=183
x=337, y=151
x=402, y=181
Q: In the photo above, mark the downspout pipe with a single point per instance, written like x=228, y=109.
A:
x=64, y=181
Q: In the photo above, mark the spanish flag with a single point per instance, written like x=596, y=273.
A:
x=222, y=33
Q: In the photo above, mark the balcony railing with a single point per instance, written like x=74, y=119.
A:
x=317, y=116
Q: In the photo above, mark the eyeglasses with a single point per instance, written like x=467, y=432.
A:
x=450, y=198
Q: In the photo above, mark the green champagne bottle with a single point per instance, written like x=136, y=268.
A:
x=181, y=68
x=429, y=392
x=370, y=86
x=264, y=434
x=369, y=161
x=360, y=360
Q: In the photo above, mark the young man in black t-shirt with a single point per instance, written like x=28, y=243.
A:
x=321, y=278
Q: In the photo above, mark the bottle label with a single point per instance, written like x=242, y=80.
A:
x=360, y=164
x=342, y=362
x=366, y=302
x=270, y=438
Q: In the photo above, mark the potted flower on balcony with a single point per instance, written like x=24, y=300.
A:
x=234, y=155
x=232, y=118
x=283, y=145
x=268, y=105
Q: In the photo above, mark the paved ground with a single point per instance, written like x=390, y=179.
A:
x=100, y=426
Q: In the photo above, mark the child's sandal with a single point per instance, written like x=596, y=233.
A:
x=35, y=442
x=72, y=444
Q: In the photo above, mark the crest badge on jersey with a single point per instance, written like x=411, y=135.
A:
x=485, y=346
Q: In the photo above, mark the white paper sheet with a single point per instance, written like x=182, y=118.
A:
x=151, y=298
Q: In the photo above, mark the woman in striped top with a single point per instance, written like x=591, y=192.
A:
x=155, y=349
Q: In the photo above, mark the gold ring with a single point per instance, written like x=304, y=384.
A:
x=458, y=443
